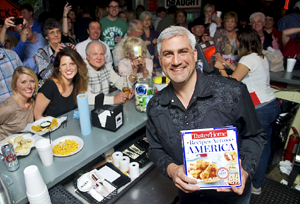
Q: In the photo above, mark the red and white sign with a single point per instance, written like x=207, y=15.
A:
x=8, y=9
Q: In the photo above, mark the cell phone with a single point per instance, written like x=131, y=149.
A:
x=137, y=51
x=214, y=16
x=206, y=31
x=17, y=21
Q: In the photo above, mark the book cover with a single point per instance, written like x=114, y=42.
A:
x=211, y=157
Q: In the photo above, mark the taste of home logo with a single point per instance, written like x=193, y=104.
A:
x=209, y=134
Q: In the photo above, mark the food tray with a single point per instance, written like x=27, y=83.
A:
x=88, y=197
x=25, y=136
x=59, y=195
x=41, y=120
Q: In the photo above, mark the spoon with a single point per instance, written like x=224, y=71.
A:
x=46, y=124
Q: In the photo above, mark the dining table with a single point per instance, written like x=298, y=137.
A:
x=95, y=144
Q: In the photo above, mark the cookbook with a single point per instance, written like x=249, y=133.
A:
x=211, y=157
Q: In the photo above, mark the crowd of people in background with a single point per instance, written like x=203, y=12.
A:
x=45, y=64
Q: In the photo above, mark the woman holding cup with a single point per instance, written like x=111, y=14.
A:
x=17, y=110
x=135, y=65
x=253, y=70
x=209, y=9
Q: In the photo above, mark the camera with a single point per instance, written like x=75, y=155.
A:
x=17, y=21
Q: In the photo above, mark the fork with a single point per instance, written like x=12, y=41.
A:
x=65, y=123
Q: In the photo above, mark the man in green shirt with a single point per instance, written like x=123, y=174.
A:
x=113, y=28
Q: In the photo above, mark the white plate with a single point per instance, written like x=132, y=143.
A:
x=69, y=137
x=12, y=137
x=43, y=119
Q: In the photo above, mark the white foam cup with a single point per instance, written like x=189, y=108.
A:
x=44, y=149
x=288, y=75
x=33, y=181
x=290, y=64
x=219, y=13
x=45, y=198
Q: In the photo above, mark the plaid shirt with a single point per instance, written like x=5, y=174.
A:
x=8, y=64
x=99, y=82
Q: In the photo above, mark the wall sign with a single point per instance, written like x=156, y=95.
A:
x=191, y=4
x=8, y=8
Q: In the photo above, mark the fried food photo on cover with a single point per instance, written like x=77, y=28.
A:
x=200, y=164
x=203, y=170
x=231, y=156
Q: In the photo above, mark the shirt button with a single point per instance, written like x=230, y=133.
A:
x=185, y=117
x=187, y=123
x=172, y=101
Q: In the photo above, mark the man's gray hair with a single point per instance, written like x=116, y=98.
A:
x=260, y=14
x=132, y=25
x=174, y=31
x=87, y=49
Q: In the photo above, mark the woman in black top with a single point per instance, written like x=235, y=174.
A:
x=58, y=94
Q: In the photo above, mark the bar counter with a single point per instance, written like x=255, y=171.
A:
x=95, y=144
x=289, y=91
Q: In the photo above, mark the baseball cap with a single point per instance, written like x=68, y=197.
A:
x=297, y=5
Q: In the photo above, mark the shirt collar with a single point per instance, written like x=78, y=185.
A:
x=202, y=89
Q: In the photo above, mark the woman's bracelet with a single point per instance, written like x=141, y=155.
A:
x=53, y=58
x=133, y=76
x=65, y=16
x=25, y=33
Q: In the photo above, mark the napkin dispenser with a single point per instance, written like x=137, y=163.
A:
x=109, y=117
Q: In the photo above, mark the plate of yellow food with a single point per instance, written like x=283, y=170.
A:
x=44, y=125
x=67, y=146
x=22, y=143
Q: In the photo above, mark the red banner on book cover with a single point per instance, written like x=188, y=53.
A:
x=209, y=134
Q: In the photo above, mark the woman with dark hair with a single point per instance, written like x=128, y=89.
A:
x=51, y=31
x=72, y=15
x=17, y=110
x=101, y=12
x=180, y=18
x=68, y=27
x=58, y=94
x=253, y=70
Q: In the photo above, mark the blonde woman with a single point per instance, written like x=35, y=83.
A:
x=58, y=95
x=132, y=65
x=17, y=110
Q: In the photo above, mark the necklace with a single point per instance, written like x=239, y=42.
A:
x=26, y=105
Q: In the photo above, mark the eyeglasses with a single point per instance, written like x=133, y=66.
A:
x=147, y=19
x=113, y=7
x=138, y=30
x=54, y=32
